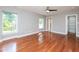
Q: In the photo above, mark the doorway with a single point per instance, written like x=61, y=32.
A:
x=48, y=24
x=71, y=25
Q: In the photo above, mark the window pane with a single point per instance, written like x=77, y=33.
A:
x=9, y=22
x=41, y=23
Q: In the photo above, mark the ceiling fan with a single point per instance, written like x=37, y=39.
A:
x=49, y=10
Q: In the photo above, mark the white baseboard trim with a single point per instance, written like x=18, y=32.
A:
x=59, y=32
x=8, y=38
x=26, y=34
x=18, y=36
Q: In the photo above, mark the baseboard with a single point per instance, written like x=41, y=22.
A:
x=59, y=32
x=23, y=35
x=26, y=34
x=18, y=36
x=8, y=38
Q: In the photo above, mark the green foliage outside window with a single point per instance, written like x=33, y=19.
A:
x=9, y=21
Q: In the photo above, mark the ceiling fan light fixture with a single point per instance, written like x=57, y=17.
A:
x=47, y=11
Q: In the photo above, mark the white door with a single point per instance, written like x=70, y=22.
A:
x=48, y=24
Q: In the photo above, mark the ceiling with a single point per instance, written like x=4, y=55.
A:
x=41, y=9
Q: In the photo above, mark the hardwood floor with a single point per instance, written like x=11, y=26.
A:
x=42, y=42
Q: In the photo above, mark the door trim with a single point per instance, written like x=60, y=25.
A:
x=66, y=31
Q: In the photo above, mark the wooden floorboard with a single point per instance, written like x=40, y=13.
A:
x=45, y=42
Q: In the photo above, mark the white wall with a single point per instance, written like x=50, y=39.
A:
x=59, y=22
x=78, y=26
x=27, y=22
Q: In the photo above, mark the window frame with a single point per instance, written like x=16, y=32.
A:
x=9, y=32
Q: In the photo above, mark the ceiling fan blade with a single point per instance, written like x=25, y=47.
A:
x=48, y=9
x=53, y=10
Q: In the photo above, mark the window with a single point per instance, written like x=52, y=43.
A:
x=41, y=23
x=9, y=22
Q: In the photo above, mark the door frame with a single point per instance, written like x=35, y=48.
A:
x=66, y=31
